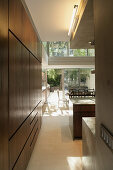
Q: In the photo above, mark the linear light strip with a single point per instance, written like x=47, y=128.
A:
x=72, y=19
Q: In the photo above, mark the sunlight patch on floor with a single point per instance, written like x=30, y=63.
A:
x=75, y=163
x=55, y=108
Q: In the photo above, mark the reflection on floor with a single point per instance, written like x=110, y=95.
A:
x=54, y=149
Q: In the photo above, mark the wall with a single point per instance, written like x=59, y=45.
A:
x=103, y=12
x=20, y=90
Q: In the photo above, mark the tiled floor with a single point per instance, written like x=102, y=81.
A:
x=54, y=149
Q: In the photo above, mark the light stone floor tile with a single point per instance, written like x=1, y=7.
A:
x=55, y=149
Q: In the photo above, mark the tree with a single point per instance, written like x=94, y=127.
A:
x=58, y=48
x=54, y=77
x=80, y=52
x=74, y=77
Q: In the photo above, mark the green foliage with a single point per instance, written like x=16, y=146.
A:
x=58, y=48
x=74, y=77
x=91, y=52
x=85, y=72
x=83, y=78
x=54, y=77
x=71, y=74
x=80, y=52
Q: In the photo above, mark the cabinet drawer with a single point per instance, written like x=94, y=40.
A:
x=18, y=141
x=34, y=133
x=24, y=156
x=23, y=160
x=33, y=118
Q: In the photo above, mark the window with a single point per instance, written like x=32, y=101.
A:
x=58, y=49
x=91, y=52
x=77, y=52
x=61, y=49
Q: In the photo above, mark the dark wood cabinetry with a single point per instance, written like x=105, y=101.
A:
x=15, y=84
x=25, y=82
x=24, y=101
x=83, y=110
x=77, y=111
x=4, y=85
x=20, y=86
x=29, y=129
x=21, y=26
x=34, y=82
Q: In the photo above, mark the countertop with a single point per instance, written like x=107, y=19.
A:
x=90, y=122
x=88, y=100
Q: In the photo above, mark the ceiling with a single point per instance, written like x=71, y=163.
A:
x=52, y=18
x=85, y=30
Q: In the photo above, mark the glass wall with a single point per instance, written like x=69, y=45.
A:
x=58, y=49
x=81, y=52
x=62, y=49
x=73, y=78
x=79, y=78
x=91, y=52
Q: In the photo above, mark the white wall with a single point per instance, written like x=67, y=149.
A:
x=91, y=81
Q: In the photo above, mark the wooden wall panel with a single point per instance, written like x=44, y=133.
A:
x=15, y=17
x=39, y=109
x=20, y=83
x=32, y=83
x=25, y=81
x=24, y=85
x=29, y=37
x=36, y=78
x=4, y=85
x=40, y=81
x=15, y=84
x=21, y=20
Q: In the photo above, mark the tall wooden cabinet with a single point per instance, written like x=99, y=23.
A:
x=20, y=86
x=4, y=84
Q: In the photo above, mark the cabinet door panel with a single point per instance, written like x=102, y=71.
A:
x=15, y=84
x=3, y=84
x=33, y=82
x=15, y=17
x=36, y=81
x=21, y=26
x=40, y=81
x=25, y=81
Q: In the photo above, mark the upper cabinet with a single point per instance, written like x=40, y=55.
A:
x=21, y=26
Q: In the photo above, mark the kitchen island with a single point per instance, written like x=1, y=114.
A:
x=78, y=108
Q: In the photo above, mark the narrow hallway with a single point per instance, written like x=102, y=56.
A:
x=55, y=149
